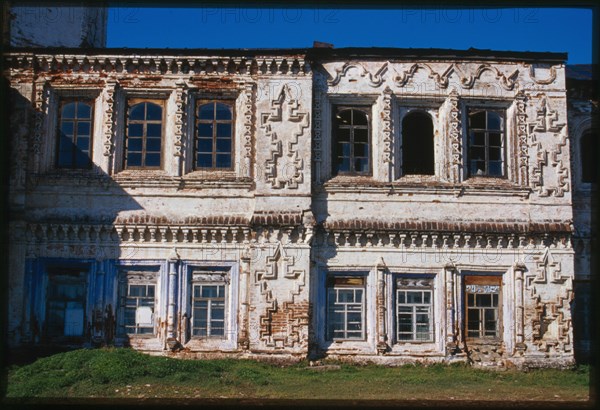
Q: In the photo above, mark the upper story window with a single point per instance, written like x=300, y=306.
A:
x=213, y=147
x=486, y=143
x=144, y=134
x=75, y=134
x=588, y=146
x=351, y=147
x=417, y=144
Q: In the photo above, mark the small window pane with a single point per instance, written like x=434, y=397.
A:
x=83, y=128
x=67, y=128
x=154, y=130
x=134, y=144
x=204, y=160
x=223, y=145
x=359, y=118
x=495, y=139
x=206, y=112
x=223, y=112
x=343, y=134
x=136, y=112
x=477, y=120
x=68, y=111
x=345, y=117
x=83, y=143
x=478, y=138
x=154, y=112
x=223, y=161
x=205, y=130
x=153, y=144
x=84, y=111
x=205, y=145
x=224, y=130
x=152, y=160
x=494, y=121
x=135, y=130
x=495, y=168
x=361, y=135
x=134, y=159
x=362, y=165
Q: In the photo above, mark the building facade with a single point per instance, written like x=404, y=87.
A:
x=385, y=205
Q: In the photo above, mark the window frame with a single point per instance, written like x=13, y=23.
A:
x=502, y=111
x=53, y=275
x=130, y=102
x=367, y=109
x=410, y=283
x=62, y=101
x=482, y=279
x=329, y=334
x=210, y=276
x=136, y=276
x=230, y=101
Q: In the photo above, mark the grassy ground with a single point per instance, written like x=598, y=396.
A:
x=118, y=373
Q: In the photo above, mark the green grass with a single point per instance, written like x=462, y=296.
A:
x=126, y=373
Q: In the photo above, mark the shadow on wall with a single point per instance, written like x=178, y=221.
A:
x=64, y=293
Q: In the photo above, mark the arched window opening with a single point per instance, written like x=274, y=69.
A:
x=486, y=143
x=214, y=136
x=588, y=151
x=144, y=136
x=352, y=140
x=75, y=135
x=417, y=144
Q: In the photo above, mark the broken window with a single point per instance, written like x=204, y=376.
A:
x=144, y=133
x=214, y=135
x=351, y=141
x=486, y=143
x=588, y=150
x=414, y=321
x=209, y=287
x=345, y=308
x=75, y=134
x=483, y=306
x=417, y=144
x=138, y=291
x=65, y=303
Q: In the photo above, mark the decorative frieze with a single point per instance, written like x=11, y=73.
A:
x=455, y=137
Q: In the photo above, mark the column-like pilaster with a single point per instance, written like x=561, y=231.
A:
x=450, y=305
x=172, y=342
x=244, y=338
x=519, y=270
x=382, y=346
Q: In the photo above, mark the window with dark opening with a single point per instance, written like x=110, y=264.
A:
x=144, y=135
x=486, y=143
x=417, y=144
x=483, y=306
x=75, y=134
x=214, y=136
x=589, y=152
x=351, y=141
x=346, y=308
x=65, y=303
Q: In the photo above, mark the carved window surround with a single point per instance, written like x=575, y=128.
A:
x=326, y=125
x=50, y=104
x=237, y=99
x=161, y=96
x=194, y=273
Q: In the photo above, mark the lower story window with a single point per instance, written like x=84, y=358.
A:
x=483, y=306
x=413, y=310
x=65, y=303
x=138, y=290
x=346, y=308
x=209, y=302
x=208, y=310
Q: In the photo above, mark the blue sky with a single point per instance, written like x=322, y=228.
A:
x=522, y=29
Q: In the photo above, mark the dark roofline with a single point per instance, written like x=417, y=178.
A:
x=435, y=53
x=323, y=54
